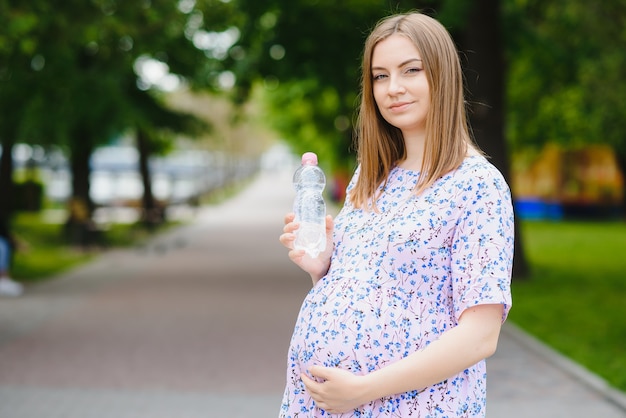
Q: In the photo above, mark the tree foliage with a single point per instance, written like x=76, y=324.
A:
x=69, y=73
x=566, y=60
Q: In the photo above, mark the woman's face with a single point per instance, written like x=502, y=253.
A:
x=399, y=83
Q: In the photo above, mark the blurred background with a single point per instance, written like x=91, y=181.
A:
x=120, y=119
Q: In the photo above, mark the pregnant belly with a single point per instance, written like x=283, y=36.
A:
x=358, y=326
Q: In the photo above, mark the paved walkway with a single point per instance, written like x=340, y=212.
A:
x=197, y=324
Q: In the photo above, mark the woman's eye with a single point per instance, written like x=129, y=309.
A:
x=377, y=77
x=413, y=70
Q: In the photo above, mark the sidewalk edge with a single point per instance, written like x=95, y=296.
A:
x=579, y=372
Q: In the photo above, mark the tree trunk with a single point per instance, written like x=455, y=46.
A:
x=152, y=213
x=82, y=148
x=79, y=227
x=6, y=181
x=481, y=41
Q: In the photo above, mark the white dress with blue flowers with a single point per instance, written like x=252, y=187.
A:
x=401, y=277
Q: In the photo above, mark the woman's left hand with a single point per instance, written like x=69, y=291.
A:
x=339, y=391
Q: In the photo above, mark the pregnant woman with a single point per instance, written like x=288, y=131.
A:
x=409, y=297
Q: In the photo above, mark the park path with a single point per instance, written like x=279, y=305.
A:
x=197, y=322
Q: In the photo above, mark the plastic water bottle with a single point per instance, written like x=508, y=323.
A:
x=309, y=206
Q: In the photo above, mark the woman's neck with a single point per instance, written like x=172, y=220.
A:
x=414, y=147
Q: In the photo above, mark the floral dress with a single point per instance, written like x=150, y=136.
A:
x=401, y=277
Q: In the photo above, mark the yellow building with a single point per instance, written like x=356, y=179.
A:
x=561, y=182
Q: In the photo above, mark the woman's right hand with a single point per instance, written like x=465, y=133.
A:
x=316, y=267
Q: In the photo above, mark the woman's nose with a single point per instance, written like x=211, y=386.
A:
x=395, y=86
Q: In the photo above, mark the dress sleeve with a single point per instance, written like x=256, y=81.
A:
x=482, y=245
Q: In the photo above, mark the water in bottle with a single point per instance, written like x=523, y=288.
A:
x=309, y=206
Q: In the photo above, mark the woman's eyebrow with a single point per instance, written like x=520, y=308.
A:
x=402, y=64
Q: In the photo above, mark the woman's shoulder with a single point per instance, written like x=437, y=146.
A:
x=477, y=165
x=478, y=171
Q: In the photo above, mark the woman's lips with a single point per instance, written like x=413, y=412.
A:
x=400, y=106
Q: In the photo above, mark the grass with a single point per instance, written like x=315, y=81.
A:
x=43, y=252
x=575, y=297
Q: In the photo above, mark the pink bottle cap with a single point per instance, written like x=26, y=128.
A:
x=309, y=158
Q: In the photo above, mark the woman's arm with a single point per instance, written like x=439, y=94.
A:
x=316, y=267
x=472, y=340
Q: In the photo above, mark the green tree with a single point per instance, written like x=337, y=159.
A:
x=61, y=79
x=162, y=33
x=76, y=61
x=566, y=73
x=155, y=129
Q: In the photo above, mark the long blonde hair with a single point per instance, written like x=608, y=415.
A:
x=380, y=146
